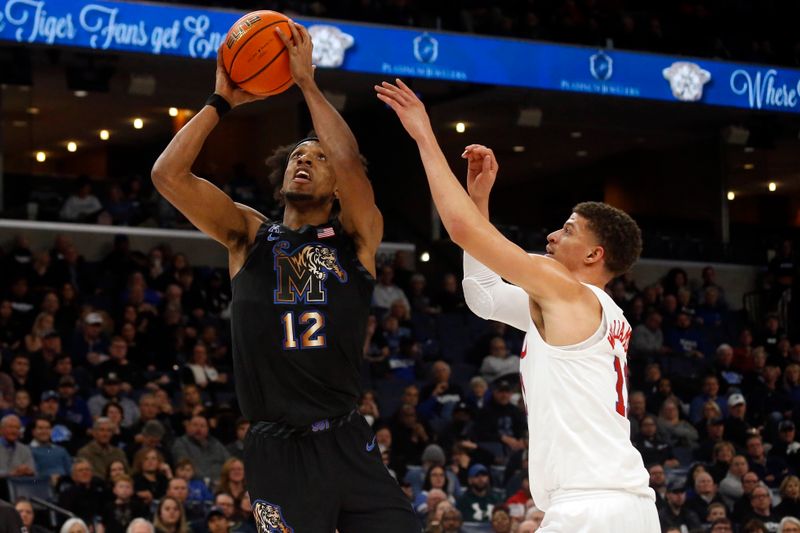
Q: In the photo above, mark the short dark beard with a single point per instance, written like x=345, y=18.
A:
x=298, y=197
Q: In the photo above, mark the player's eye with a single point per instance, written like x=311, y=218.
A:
x=323, y=157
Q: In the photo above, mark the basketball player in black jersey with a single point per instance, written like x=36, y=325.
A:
x=301, y=295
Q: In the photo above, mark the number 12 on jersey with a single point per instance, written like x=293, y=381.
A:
x=622, y=374
x=312, y=336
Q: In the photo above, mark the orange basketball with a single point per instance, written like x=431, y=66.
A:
x=254, y=56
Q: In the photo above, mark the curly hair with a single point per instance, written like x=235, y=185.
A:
x=617, y=233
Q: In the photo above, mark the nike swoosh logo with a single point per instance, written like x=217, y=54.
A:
x=371, y=445
x=273, y=237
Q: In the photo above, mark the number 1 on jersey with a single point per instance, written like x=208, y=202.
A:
x=621, y=375
x=312, y=337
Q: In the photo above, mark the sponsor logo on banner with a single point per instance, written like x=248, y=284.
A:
x=330, y=45
x=765, y=90
x=686, y=80
x=425, y=49
x=601, y=69
x=601, y=66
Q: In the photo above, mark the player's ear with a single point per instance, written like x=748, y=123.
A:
x=594, y=254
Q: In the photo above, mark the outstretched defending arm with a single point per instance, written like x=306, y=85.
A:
x=486, y=294
x=544, y=279
x=360, y=216
x=205, y=205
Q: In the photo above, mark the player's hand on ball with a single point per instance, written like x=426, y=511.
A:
x=482, y=170
x=226, y=88
x=300, y=49
x=410, y=110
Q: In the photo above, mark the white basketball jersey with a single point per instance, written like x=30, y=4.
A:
x=577, y=413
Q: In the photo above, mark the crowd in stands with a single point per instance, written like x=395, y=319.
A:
x=117, y=401
x=746, y=30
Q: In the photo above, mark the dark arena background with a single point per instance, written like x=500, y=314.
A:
x=114, y=310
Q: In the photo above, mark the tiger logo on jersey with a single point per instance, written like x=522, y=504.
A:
x=269, y=518
x=302, y=273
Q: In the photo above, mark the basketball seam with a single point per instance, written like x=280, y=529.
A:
x=265, y=67
x=235, y=55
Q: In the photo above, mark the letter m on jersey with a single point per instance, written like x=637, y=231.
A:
x=302, y=273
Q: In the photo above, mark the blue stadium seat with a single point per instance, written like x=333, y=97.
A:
x=30, y=487
x=454, y=336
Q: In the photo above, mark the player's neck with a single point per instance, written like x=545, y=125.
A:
x=592, y=277
x=295, y=217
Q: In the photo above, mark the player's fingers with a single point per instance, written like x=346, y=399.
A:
x=391, y=102
x=303, y=31
x=388, y=88
x=282, y=37
x=298, y=39
x=219, y=55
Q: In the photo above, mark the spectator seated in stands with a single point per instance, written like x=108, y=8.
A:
x=687, y=345
x=676, y=514
x=51, y=460
x=99, y=452
x=768, y=401
x=111, y=391
x=89, y=344
x=435, y=478
x=730, y=488
x=727, y=374
x=439, y=398
x=717, y=515
x=83, y=205
x=231, y=479
x=205, y=451
x=637, y=410
x=647, y=339
x=501, y=520
x=678, y=433
x=737, y=428
x=16, y=458
x=786, y=447
x=200, y=371
x=721, y=457
x=129, y=373
x=151, y=475
x=25, y=509
x=419, y=298
x=500, y=421
x=409, y=436
x=83, y=493
x=761, y=502
x=479, y=394
x=712, y=435
x=22, y=378
x=386, y=291
x=705, y=494
x=398, y=353
x=652, y=447
x=170, y=517
x=771, y=470
x=742, y=506
x=710, y=393
x=790, y=497
x=198, y=491
x=450, y=298
x=499, y=362
x=123, y=507
x=478, y=500
x=236, y=448
x=452, y=521
x=658, y=482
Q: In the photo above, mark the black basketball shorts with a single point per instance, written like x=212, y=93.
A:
x=324, y=478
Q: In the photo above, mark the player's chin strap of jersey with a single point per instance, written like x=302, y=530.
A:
x=489, y=297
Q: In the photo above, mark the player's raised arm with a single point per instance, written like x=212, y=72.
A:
x=542, y=278
x=486, y=294
x=359, y=215
x=205, y=205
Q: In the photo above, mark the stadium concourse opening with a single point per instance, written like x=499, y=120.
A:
x=117, y=397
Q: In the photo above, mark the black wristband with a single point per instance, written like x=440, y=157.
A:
x=219, y=103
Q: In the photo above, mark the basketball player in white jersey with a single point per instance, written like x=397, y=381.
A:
x=585, y=473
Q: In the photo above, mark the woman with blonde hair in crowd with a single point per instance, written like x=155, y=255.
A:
x=790, y=497
x=170, y=517
x=231, y=479
x=42, y=325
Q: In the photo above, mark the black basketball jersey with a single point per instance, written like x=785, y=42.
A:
x=298, y=318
